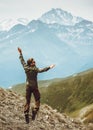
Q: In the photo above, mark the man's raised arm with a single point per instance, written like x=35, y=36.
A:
x=22, y=60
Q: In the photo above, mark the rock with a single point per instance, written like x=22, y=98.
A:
x=12, y=116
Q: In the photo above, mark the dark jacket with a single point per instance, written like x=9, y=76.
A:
x=31, y=72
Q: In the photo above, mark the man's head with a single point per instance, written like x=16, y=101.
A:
x=31, y=62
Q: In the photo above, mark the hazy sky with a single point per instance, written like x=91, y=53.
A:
x=33, y=9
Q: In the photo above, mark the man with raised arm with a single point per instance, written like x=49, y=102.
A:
x=31, y=84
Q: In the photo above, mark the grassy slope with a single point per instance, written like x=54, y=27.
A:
x=70, y=94
x=66, y=95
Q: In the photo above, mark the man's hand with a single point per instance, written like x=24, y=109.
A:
x=19, y=50
x=52, y=66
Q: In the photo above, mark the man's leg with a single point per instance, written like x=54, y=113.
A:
x=37, y=103
x=27, y=105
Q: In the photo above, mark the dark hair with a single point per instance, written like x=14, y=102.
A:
x=29, y=61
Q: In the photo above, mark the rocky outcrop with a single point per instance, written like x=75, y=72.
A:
x=12, y=116
x=86, y=114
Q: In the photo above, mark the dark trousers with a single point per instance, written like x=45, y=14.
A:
x=29, y=91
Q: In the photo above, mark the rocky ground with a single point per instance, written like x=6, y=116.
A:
x=12, y=116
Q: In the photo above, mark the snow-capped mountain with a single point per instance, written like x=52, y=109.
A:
x=60, y=17
x=6, y=24
x=68, y=27
x=69, y=46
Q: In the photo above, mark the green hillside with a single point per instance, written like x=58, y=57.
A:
x=71, y=93
x=66, y=95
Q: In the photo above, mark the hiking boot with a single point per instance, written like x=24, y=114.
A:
x=34, y=113
x=27, y=118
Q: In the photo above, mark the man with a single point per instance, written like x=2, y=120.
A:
x=31, y=84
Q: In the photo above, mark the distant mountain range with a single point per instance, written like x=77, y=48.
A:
x=7, y=24
x=56, y=37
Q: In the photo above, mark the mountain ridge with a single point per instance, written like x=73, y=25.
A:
x=8, y=23
x=63, y=17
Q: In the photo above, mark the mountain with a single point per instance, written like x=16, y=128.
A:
x=12, y=117
x=72, y=95
x=66, y=42
x=7, y=24
x=60, y=16
x=69, y=28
